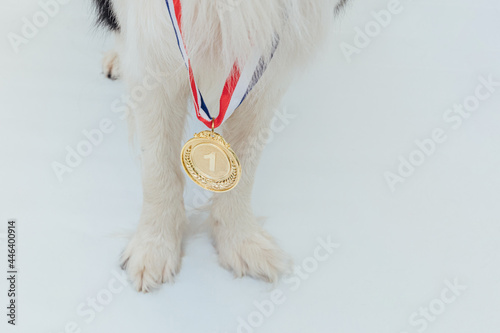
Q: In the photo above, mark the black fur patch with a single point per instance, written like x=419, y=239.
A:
x=106, y=17
x=340, y=6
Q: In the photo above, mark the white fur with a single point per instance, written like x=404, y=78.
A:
x=217, y=32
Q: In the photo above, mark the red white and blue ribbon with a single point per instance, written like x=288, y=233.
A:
x=238, y=85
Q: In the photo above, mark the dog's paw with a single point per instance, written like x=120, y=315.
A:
x=111, y=65
x=252, y=252
x=151, y=261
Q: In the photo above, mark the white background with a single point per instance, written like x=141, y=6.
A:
x=323, y=175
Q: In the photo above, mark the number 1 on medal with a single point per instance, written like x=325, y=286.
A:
x=211, y=157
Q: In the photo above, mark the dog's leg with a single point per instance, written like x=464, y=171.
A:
x=153, y=255
x=111, y=59
x=243, y=245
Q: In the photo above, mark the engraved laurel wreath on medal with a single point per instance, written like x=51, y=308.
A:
x=207, y=158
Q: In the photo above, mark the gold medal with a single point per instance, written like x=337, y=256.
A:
x=207, y=158
x=210, y=162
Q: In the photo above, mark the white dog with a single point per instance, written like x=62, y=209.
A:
x=217, y=33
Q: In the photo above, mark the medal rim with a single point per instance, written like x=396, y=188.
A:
x=218, y=141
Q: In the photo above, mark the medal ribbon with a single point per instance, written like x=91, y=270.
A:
x=238, y=85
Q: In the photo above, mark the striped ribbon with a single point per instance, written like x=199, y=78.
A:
x=238, y=85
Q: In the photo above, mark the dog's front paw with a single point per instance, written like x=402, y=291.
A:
x=111, y=65
x=151, y=260
x=250, y=251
